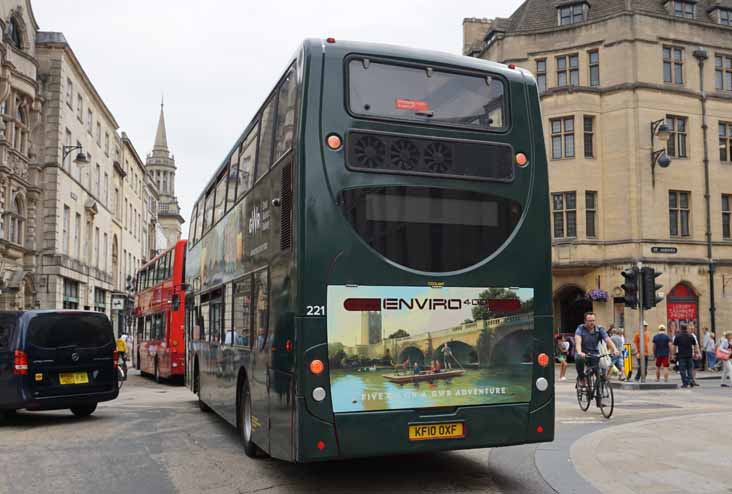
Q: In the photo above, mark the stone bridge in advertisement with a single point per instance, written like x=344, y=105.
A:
x=503, y=335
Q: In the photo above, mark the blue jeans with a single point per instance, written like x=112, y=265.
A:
x=711, y=359
x=638, y=373
x=685, y=366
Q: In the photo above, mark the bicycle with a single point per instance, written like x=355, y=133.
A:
x=121, y=371
x=596, y=386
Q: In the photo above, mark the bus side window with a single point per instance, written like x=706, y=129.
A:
x=241, y=312
x=148, y=328
x=204, y=320
x=285, y=126
x=261, y=307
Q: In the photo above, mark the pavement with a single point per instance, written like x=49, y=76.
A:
x=672, y=441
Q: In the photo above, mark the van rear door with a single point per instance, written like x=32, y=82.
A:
x=8, y=323
x=70, y=353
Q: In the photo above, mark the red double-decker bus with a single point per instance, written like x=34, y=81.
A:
x=160, y=312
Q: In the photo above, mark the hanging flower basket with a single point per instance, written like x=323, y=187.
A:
x=598, y=295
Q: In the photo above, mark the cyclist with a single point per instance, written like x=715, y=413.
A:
x=587, y=337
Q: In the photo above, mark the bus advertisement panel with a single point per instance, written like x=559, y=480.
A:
x=398, y=347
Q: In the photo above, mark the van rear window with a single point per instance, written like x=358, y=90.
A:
x=7, y=325
x=70, y=330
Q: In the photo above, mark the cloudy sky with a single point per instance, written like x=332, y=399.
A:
x=216, y=60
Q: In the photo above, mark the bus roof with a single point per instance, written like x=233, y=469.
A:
x=151, y=261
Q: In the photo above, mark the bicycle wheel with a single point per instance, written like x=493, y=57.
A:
x=607, y=399
x=584, y=394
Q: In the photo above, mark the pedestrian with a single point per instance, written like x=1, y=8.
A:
x=725, y=349
x=697, y=357
x=618, y=340
x=709, y=344
x=646, y=349
x=685, y=347
x=661, y=351
x=587, y=338
x=562, y=352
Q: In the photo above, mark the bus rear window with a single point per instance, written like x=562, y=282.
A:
x=70, y=330
x=425, y=95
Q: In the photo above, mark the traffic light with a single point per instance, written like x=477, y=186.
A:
x=650, y=297
x=630, y=286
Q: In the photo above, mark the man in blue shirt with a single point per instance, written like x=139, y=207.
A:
x=586, y=338
x=661, y=350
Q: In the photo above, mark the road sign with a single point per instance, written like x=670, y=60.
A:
x=664, y=250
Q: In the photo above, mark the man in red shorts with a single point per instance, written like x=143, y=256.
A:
x=661, y=350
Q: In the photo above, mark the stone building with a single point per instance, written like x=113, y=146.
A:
x=20, y=169
x=613, y=75
x=78, y=156
x=161, y=167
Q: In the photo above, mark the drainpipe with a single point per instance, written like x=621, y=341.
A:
x=701, y=55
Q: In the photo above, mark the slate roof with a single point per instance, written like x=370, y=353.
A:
x=537, y=15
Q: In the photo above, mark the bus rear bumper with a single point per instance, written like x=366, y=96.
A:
x=365, y=434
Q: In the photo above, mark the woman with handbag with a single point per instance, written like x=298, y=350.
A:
x=724, y=351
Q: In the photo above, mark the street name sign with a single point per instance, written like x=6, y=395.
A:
x=664, y=250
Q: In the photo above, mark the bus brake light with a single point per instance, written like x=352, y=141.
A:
x=115, y=357
x=543, y=359
x=321, y=445
x=330, y=40
x=317, y=367
x=539, y=429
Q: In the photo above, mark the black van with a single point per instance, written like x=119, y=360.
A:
x=51, y=360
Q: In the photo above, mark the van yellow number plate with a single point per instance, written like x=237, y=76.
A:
x=73, y=378
x=425, y=432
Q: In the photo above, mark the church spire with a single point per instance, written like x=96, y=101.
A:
x=161, y=139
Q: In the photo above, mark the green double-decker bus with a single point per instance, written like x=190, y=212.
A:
x=368, y=271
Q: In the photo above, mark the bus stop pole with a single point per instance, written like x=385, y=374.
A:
x=642, y=349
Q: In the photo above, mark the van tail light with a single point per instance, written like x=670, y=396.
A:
x=115, y=357
x=21, y=363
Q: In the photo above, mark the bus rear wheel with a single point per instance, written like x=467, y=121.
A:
x=245, y=422
x=197, y=390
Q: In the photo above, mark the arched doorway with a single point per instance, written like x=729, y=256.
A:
x=573, y=303
x=682, y=307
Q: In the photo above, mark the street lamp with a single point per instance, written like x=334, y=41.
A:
x=659, y=130
x=80, y=159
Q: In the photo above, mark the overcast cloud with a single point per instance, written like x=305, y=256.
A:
x=216, y=60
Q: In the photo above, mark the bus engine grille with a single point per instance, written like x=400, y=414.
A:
x=395, y=153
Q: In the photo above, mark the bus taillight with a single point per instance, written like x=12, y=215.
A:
x=115, y=357
x=543, y=359
x=321, y=445
x=317, y=367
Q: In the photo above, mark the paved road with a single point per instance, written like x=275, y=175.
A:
x=153, y=439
